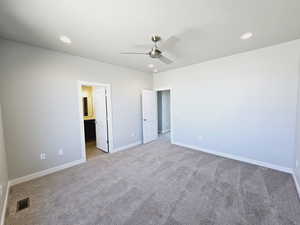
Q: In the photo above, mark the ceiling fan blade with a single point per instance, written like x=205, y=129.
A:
x=169, y=43
x=165, y=59
x=143, y=46
x=192, y=34
x=134, y=53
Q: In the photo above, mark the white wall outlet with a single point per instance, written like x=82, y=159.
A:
x=297, y=163
x=200, y=138
x=133, y=135
x=60, y=151
x=43, y=156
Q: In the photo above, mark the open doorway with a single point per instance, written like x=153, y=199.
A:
x=163, y=114
x=89, y=122
x=95, y=111
x=157, y=115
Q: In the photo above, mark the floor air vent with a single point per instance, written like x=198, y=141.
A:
x=22, y=204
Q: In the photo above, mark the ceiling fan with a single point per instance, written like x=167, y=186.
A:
x=155, y=52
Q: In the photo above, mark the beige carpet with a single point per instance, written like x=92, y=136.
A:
x=92, y=151
x=158, y=183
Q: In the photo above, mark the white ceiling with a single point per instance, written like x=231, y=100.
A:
x=101, y=29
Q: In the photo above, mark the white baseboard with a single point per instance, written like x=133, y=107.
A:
x=164, y=131
x=45, y=172
x=238, y=158
x=61, y=167
x=297, y=184
x=3, y=213
x=127, y=146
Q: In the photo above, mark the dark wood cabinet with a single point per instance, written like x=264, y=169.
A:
x=90, y=130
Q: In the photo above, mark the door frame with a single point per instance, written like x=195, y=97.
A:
x=171, y=109
x=156, y=118
x=107, y=87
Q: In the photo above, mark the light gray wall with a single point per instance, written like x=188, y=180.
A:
x=39, y=94
x=159, y=111
x=297, y=146
x=165, y=95
x=163, y=101
x=243, y=105
x=3, y=167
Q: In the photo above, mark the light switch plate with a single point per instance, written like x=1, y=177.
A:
x=60, y=151
x=43, y=156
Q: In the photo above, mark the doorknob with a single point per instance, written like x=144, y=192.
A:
x=145, y=119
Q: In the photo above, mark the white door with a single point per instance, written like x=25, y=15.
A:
x=100, y=102
x=149, y=105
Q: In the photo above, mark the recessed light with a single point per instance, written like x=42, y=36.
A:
x=150, y=65
x=246, y=36
x=155, y=70
x=65, y=39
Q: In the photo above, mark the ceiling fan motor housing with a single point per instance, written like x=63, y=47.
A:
x=155, y=38
x=155, y=53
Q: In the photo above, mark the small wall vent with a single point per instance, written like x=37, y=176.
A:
x=23, y=204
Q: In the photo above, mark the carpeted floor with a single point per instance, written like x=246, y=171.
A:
x=158, y=183
x=92, y=151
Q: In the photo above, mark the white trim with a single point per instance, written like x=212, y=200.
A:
x=238, y=158
x=45, y=172
x=296, y=183
x=127, y=146
x=165, y=131
x=5, y=202
x=109, y=112
x=81, y=122
x=31, y=177
x=171, y=110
